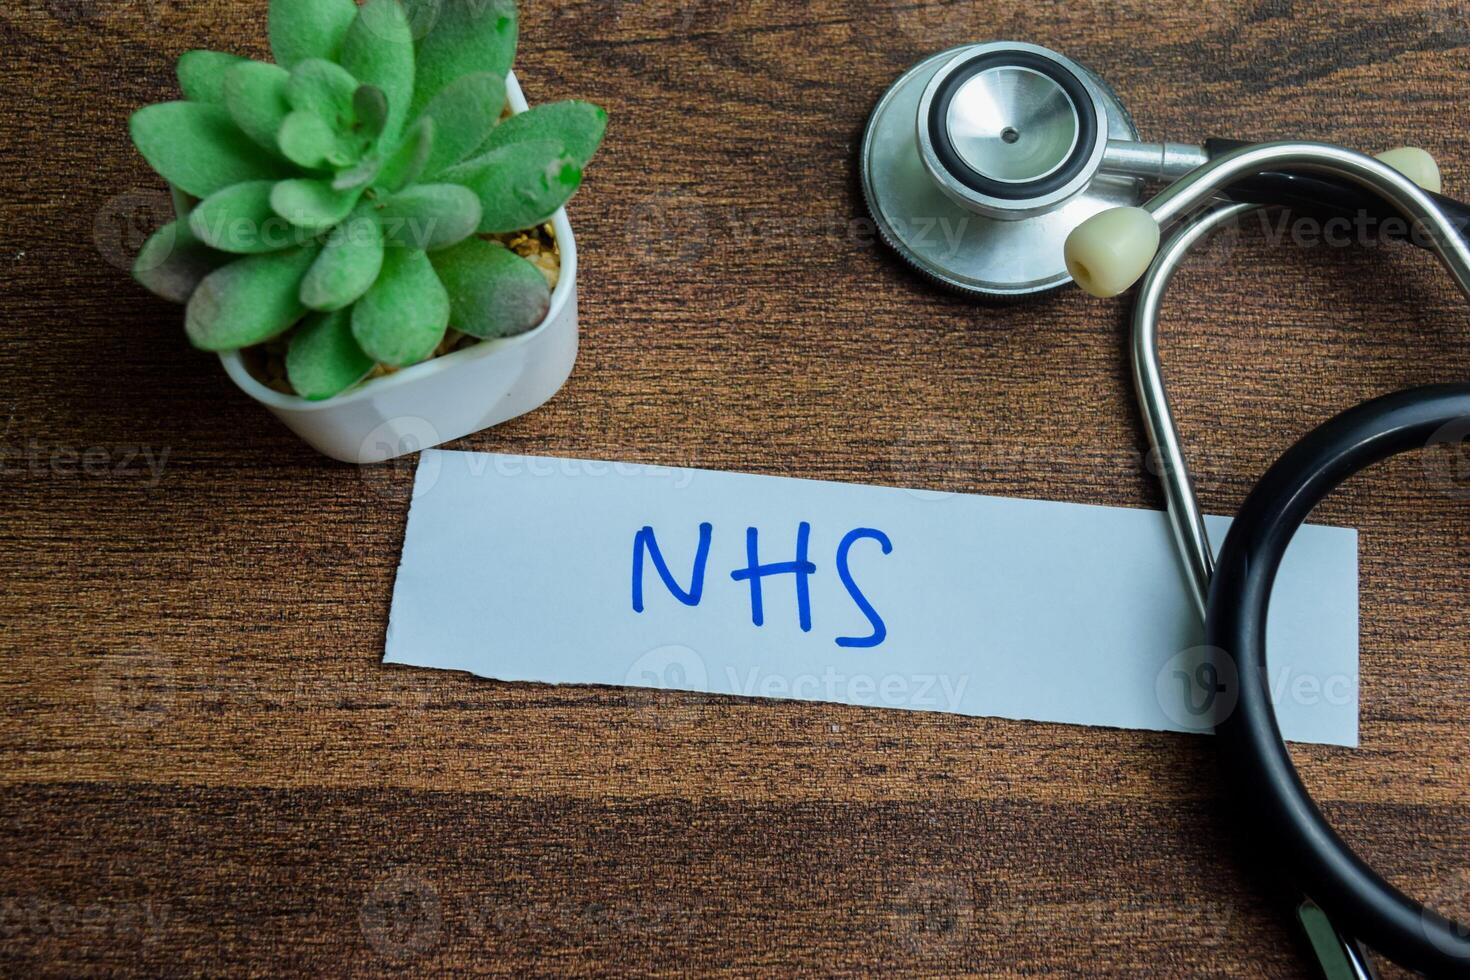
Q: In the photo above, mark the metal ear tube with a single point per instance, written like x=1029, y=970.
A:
x=1341, y=889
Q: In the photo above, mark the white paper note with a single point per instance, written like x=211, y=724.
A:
x=583, y=572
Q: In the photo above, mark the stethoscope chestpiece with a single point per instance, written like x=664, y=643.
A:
x=978, y=161
x=1011, y=130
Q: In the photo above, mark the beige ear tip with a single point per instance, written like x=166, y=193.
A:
x=1111, y=250
x=1415, y=164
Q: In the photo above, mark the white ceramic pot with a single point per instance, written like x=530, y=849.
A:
x=446, y=397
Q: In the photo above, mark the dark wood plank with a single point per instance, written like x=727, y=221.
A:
x=207, y=770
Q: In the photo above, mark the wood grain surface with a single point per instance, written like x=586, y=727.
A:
x=207, y=769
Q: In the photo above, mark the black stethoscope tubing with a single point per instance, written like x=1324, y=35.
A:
x=1323, y=196
x=1270, y=795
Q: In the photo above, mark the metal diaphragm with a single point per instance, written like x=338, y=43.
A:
x=979, y=161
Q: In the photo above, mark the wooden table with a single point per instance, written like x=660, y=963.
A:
x=208, y=769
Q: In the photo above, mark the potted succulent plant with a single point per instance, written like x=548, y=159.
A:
x=370, y=231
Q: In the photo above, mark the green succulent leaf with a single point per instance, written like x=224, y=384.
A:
x=197, y=147
x=255, y=95
x=302, y=29
x=324, y=359
x=313, y=205
x=370, y=107
x=349, y=264
x=578, y=126
x=493, y=292
x=201, y=75
x=172, y=263
x=307, y=141
x=466, y=37
x=248, y=301
x=378, y=50
x=430, y=216
x=240, y=220
x=519, y=185
x=327, y=91
x=360, y=174
x=403, y=317
x=325, y=88
x=407, y=162
x=463, y=113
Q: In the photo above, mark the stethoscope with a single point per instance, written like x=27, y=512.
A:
x=1005, y=169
